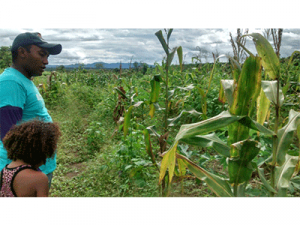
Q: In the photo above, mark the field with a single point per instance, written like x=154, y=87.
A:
x=189, y=130
x=95, y=158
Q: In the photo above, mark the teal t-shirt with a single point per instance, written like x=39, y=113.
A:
x=18, y=91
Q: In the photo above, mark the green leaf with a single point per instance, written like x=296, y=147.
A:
x=248, y=122
x=295, y=181
x=270, y=60
x=148, y=146
x=127, y=120
x=217, y=184
x=244, y=97
x=206, y=126
x=209, y=140
x=160, y=37
x=285, y=136
x=155, y=91
x=120, y=92
x=155, y=88
x=239, y=163
x=171, y=56
x=211, y=74
x=284, y=173
x=174, y=120
x=169, y=34
x=180, y=57
x=248, y=87
x=264, y=180
x=152, y=130
x=270, y=89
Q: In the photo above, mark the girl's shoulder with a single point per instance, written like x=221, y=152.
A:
x=29, y=181
x=31, y=174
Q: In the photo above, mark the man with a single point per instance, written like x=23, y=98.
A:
x=20, y=100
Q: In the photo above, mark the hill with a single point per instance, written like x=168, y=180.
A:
x=93, y=65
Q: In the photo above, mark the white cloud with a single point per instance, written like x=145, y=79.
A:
x=115, y=45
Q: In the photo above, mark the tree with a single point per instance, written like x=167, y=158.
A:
x=99, y=66
x=145, y=68
x=60, y=68
x=136, y=65
x=5, y=57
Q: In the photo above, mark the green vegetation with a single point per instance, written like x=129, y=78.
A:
x=221, y=129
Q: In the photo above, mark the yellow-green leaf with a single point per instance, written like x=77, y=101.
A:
x=270, y=60
x=168, y=162
x=263, y=105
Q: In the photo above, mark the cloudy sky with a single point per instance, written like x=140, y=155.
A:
x=121, y=31
x=123, y=45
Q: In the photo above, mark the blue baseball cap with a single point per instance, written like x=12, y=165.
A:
x=27, y=38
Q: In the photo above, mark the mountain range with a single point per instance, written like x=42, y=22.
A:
x=93, y=65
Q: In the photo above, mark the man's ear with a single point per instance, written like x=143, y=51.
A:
x=22, y=52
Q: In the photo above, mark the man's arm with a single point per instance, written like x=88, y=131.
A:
x=9, y=116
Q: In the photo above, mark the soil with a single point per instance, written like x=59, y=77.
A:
x=78, y=168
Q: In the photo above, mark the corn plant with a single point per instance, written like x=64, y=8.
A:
x=246, y=95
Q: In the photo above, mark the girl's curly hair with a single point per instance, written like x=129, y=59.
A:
x=33, y=141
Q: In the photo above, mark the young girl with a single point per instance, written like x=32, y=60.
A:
x=28, y=145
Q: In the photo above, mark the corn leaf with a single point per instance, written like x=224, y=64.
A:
x=127, y=120
x=248, y=122
x=152, y=110
x=181, y=167
x=284, y=173
x=263, y=105
x=239, y=164
x=169, y=34
x=168, y=162
x=270, y=60
x=180, y=57
x=209, y=140
x=171, y=56
x=285, y=136
x=228, y=87
x=160, y=37
x=120, y=92
x=222, y=97
x=264, y=180
x=192, y=112
x=244, y=97
x=217, y=184
x=211, y=73
x=206, y=126
x=155, y=91
x=270, y=89
x=152, y=130
x=155, y=88
x=248, y=86
x=148, y=146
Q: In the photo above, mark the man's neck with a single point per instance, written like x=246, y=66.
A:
x=21, y=70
